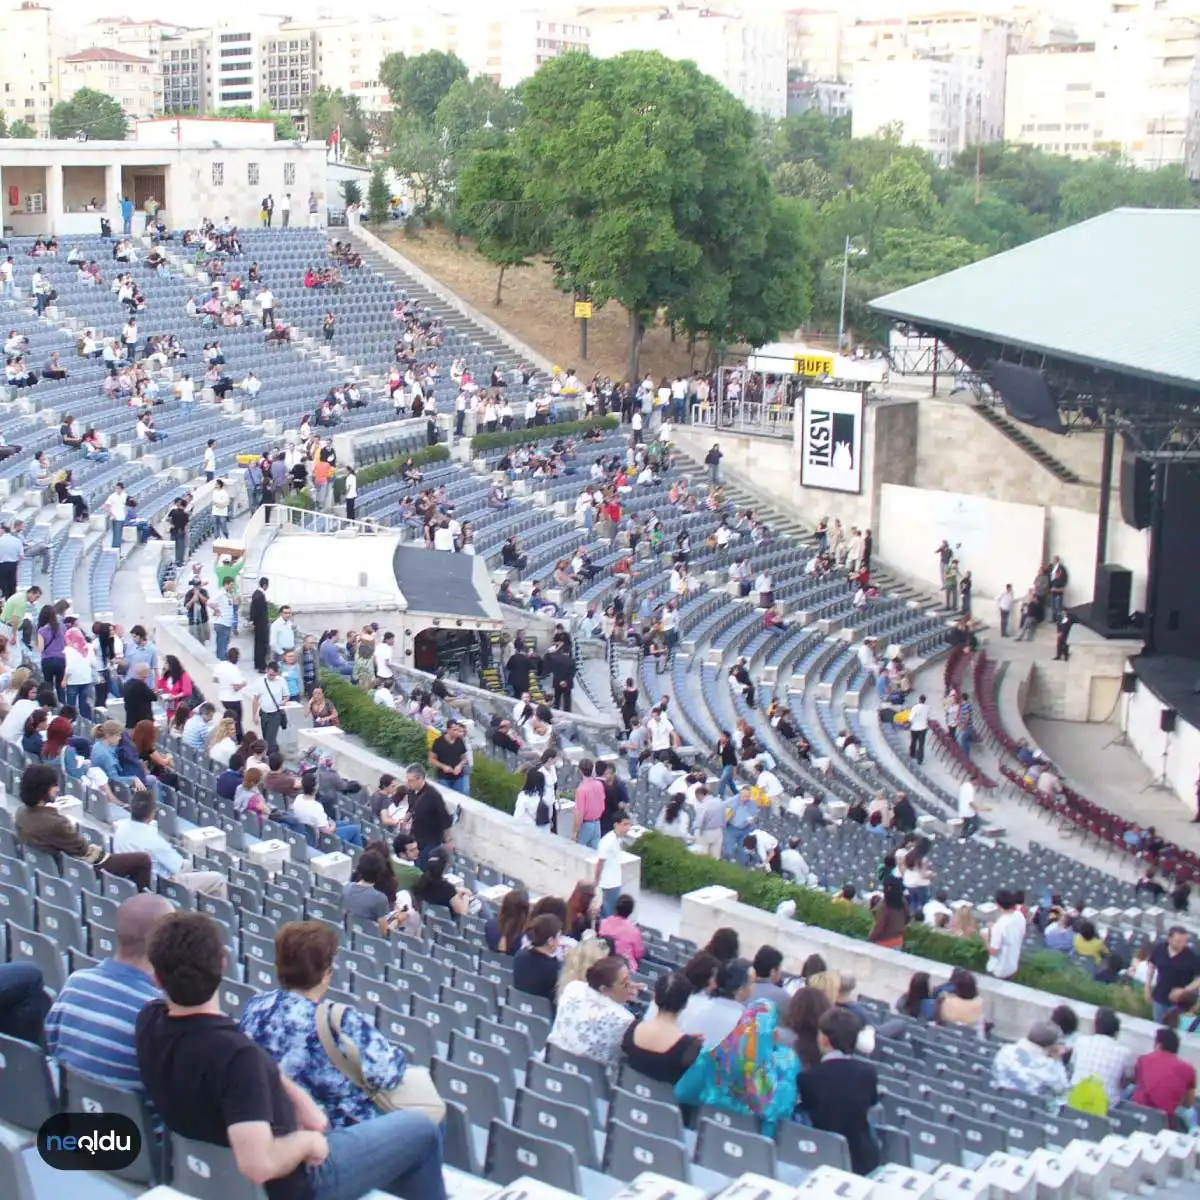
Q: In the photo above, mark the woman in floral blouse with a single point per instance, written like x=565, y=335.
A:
x=283, y=1023
x=591, y=1018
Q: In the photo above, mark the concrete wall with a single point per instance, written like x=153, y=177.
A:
x=958, y=451
x=548, y=864
x=1084, y=689
x=82, y=185
x=998, y=542
x=1182, y=747
x=884, y=974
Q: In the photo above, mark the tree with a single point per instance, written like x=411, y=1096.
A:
x=90, y=112
x=351, y=192
x=379, y=199
x=419, y=154
x=417, y=85
x=285, y=126
x=494, y=210
x=330, y=109
x=21, y=129
x=647, y=173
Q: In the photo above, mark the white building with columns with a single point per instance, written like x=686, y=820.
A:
x=193, y=167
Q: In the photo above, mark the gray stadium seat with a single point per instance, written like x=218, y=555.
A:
x=567, y=1123
x=629, y=1152
x=513, y=1154
x=733, y=1152
x=27, y=1097
x=209, y=1172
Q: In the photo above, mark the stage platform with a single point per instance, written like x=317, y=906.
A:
x=1173, y=680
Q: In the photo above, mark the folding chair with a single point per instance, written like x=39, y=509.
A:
x=483, y=1056
x=513, y=1154
x=477, y=1091
x=643, y=1087
x=566, y=1123
x=415, y=1033
x=25, y=945
x=577, y=1064
x=208, y=1172
x=27, y=1098
x=941, y=1143
x=733, y=1152
x=81, y=1094
x=628, y=1152
x=559, y=1085
x=802, y=1146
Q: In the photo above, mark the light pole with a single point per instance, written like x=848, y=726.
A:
x=842, y=309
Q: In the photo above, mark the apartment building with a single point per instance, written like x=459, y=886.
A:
x=29, y=49
x=1133, y=91
x=745, y=52
x=185, y=63
x=135, y=83
x=937, y=103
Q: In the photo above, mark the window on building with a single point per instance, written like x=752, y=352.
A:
x=35, y=202
x=289, y=174
x=218, y=174
x=252, y=174
x=29, y=103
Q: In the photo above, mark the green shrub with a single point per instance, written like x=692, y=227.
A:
x=404, y=741
x=668, y=866
x=371, y=474
x=483, y=442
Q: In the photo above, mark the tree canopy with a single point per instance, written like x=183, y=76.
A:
x=330, y=109
x=654, y=193
x=493, y=209
x=907, y=219
x=90, y=112
x=417, y=85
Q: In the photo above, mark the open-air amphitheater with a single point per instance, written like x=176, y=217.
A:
x=517, y=1108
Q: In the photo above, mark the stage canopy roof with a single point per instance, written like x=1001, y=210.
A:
x=1118, y=292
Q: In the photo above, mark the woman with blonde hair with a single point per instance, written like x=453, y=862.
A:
x=222, y=742
x=828, y=983
x=579, y=959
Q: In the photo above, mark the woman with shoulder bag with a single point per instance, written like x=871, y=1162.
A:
x=383, y=1114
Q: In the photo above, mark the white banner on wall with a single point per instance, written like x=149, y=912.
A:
x=832, y=439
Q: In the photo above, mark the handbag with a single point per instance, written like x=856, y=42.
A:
x=415, y=1092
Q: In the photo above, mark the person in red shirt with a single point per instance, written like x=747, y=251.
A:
x=589, y=805
x=1163, y=1080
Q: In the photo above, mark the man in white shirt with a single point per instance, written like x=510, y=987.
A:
x=918, y=730
x=608, y=864
x=115, y=507
x=185, y=389
x=140, y=834
x=251, y=385
x=1005, y=937
x=268, y=695
x=283, y=633
x=662, y=732
x=443, y=539
x=1005, y=602
x=866, y=656
x=968, y=809
x=383, y=659
x=266, y=304
x=768, y=782
x=792, y=862
x=229, y=680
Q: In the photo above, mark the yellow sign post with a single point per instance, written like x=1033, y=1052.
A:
x=813, y=365
x=583, y=309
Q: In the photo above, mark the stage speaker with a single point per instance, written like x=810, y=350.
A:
x=1166, y=720
x=1114, y=586
x=1136, y=489
x=1129, y=683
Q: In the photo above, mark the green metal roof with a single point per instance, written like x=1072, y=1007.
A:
x=1119, y=291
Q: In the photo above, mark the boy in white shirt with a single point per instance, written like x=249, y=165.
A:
x=608, y=864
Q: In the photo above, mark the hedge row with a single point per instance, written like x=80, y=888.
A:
x=372, y=474
x=404, y=741
x=481, y=443
x=668, y=866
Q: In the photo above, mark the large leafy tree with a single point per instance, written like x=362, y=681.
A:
x=494, y=210
x=648, y=174
x=90, y=112
x=418, y=85
x=21, y=129
x=330, y=109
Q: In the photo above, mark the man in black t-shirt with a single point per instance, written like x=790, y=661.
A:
x=430, y=819
x=1174, y=967
x=211, y=1083
x=448, y=757
x=178, y=520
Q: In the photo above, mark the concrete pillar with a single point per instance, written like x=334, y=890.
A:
x=112, y=196
x=54, y=197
